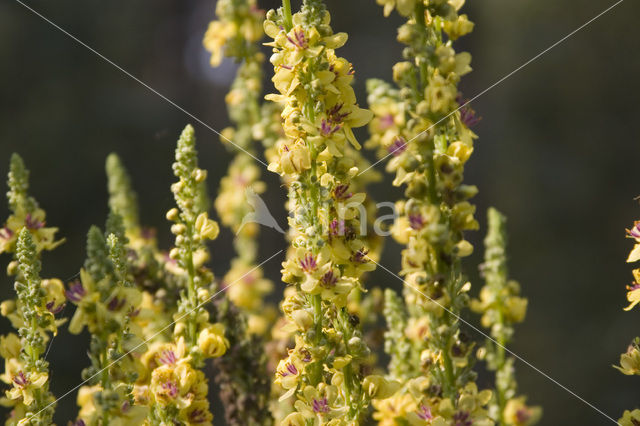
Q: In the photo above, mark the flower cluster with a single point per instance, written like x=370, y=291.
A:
x=25, y=214
x=328, y=257
x=418, y=125
x=242, y=376
x=177, y=388
x=33, y=312
x=501, y=307
x=107, y=300
x=630, y=360
x=234, y=34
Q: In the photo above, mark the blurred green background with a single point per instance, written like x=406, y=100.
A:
x=557, y=154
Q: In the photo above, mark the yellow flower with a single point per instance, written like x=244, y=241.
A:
x=177, y=384
x=10, y=346
x=440, y=94
x=25, y=386
x=630, y=361
x=404, y=7
x=249, y=286
x=289, y=370
x=294, y=159
x=458, y=28
x=197, y=413
x=377, y=387
x=294, y=419
x=517, y=413
x=212, y=342
x=207, y=228
x=320, y=402
x=397, y=406
x=55, y=298
x=85, y=401
x=630, y=418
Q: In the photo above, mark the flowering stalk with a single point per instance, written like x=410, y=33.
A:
x=418, y=125
x=239, y=189
x=177, y=388
x=630, y=360
x=327, y=257
x=150, y=269
x=502, y=307
x=33, y=312
x=242, y=375
x=25, y=213
x=26, y=368
x=106, y=301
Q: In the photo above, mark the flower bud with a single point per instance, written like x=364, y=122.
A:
x=212, y=342
x=172, y=214
x=377, y=387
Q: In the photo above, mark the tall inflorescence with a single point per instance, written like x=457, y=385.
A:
x=630, y=360
x=33, y=311
x=150, y=269
x=322, y=373
x=238, y=200
x=501, y=307
x=176, y=389
x=242, y=374
x=107, y=300
x=417, y=123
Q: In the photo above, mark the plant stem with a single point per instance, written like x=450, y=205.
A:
x=288, y=20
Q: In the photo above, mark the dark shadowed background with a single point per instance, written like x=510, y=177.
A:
x=557, y=154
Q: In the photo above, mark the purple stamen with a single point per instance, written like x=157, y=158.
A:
x=308, y=264
x=327, y=130
x=197, y=416
x=386, y=121
x=336, y=228
x=462, y=418
x=320, y=406
x=425, y=413
x=635, y=231
x=467, y=114
x=360, y=256
x=416, y=221
x=398, y=146
x=76, y=292
x=115, y=304
x=167, y=357
x=291, y=370
x=334, y=114
x=20, y=379
x=523, y=415
x=31, y=223
x=340, y=192
x=329, y=279
x=6, y=233
x=300, y=41
x=171, y=388
x=50, y=307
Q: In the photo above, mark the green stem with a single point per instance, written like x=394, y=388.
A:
x=191, y=288
x=104, y=382
x=348, y=370
x=288, y=19
x=500, y=391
